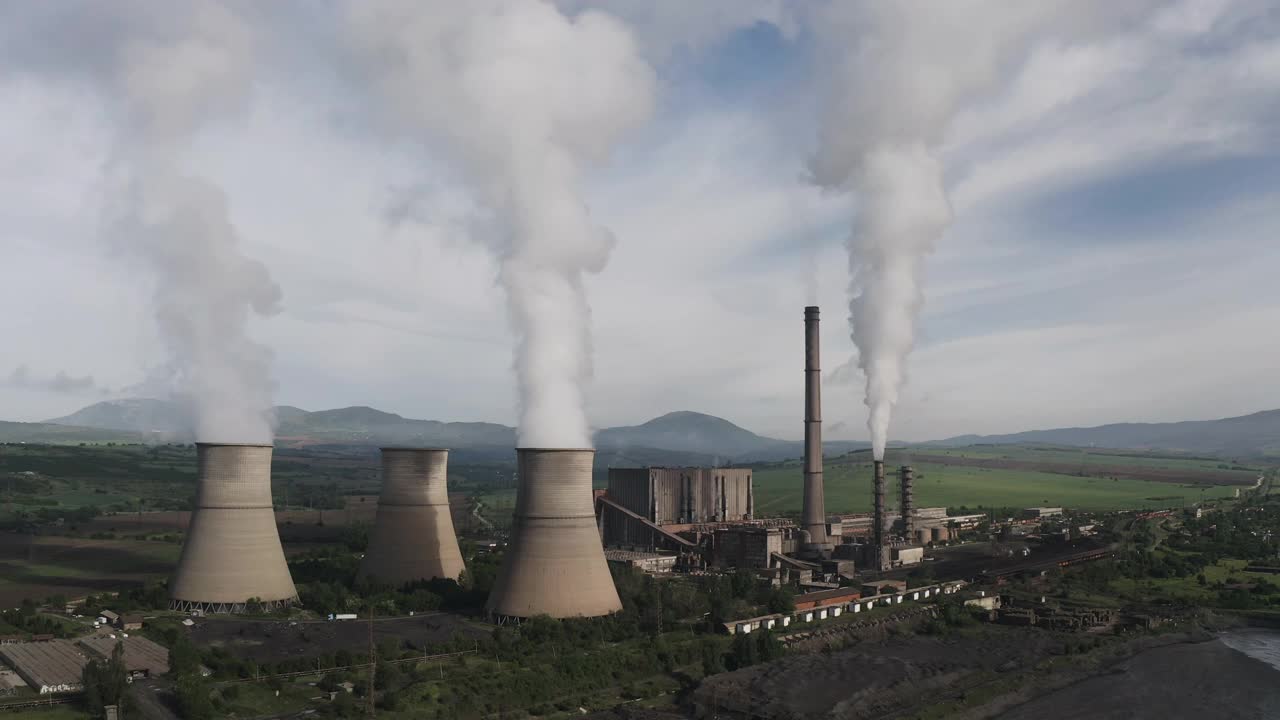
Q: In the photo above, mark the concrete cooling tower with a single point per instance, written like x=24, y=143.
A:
x=555, y=562
x=413, y=537
x=232, y=554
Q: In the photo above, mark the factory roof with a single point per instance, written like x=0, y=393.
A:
x=139, y=653
x=824, y=595
x=47, y=665
x=633, y=555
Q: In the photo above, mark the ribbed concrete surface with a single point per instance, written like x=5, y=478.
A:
x=555, y=563
x=413, y=536
x=232, y=552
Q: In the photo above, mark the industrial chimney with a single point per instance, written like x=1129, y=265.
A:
x=555, y=563
x=232, y=553
x=413, y=537
x=814, y=512
x=908, y=507
x=877, y=530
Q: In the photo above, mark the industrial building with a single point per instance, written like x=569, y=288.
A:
x=555, y=564
x=683, y=495
x=52, y=666
x=413, y=537
x=142, y=657
x=232, y=553
x=643, y=561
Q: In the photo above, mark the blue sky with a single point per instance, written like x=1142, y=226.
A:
x=1112, y=257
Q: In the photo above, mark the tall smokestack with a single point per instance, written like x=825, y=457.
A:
x=555, y=562
x=232, y=553
x=878, y=490
x=413, y=537
x=907, y=477
x=814, y=514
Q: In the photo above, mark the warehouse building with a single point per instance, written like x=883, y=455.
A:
x=142, y=657
x=48, y=667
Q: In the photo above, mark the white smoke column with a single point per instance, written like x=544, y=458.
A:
x=172, y=78
x=525, y=98
x=899, y=71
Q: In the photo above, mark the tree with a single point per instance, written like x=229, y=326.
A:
x=712, y=659
x=191, y=693
x=768, y=646
x=745, y=652
x=105, y=682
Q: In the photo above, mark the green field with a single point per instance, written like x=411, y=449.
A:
x=777, y=486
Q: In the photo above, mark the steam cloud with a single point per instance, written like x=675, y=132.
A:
x=900, y=72
x=171, y=82
x=526, y=98
x=61, y=382
x=163, y=71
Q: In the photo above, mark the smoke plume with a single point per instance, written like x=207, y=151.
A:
x=899, y=73
x=525, y=99
x=164, y=71
x=193, y=67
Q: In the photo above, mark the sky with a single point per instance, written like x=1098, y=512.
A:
x=1112, y=257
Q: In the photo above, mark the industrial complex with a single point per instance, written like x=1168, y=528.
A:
x=656, y=518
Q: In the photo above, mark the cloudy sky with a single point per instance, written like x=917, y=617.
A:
x=1113, y=256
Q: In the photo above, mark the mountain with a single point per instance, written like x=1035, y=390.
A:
x=130, y=415
x=675, y=438
x=19, y=432
x=695, y=432
x=1247, y=435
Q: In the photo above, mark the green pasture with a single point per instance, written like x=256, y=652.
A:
x=847, y=487
x=1087, y=457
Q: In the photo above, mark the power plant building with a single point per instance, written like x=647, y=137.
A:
x=683, y=495
x=232, y=554
x=413, y=537
x=555, y=563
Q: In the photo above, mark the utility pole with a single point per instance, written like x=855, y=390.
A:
x=373, y=664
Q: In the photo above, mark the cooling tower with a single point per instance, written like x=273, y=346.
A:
x=555, y=562
x=877, y=530
x=908, y=507
x=232, y=553
x=412, y=537
x=814, y=512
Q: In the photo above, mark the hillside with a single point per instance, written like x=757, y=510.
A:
x=675, y=438
x=1248, y=436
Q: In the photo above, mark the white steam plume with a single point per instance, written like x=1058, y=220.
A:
x=172, y=77
x=525, y=98
x=899, y=72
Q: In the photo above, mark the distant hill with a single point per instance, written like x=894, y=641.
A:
x=695, y=432
x=18, y=432
x=130, y=415
x=676, y=438
x=1247, y=435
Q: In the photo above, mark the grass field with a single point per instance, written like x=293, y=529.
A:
x=40, y=567
x=1099, y=482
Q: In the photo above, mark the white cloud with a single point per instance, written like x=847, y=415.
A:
x=720, y=244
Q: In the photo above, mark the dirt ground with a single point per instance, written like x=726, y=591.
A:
x=870, y=680
x=274, y=640
x=42, y=566
x=1206, y=681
